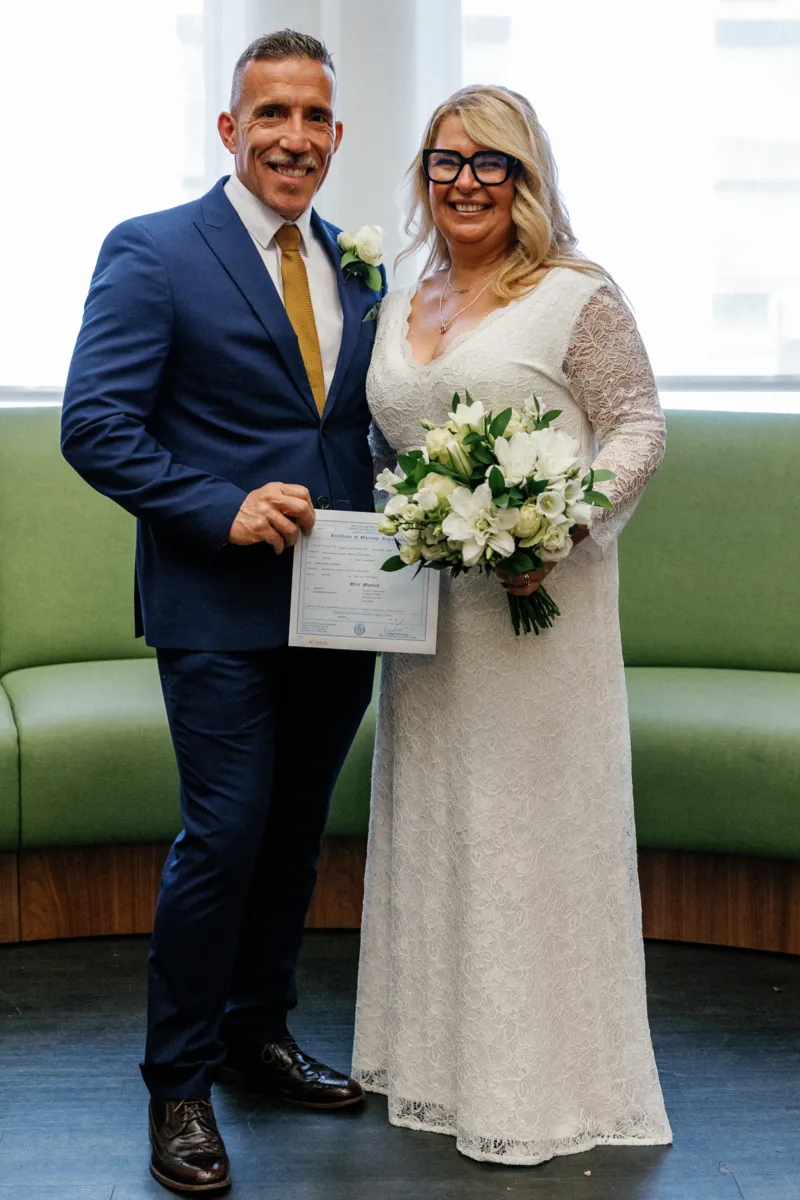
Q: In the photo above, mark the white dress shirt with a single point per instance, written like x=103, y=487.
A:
x=262, y=223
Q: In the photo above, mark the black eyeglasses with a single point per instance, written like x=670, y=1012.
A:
x=490, y=167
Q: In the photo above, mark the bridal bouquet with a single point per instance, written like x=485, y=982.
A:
x=494, y=492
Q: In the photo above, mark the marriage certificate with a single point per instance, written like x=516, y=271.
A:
x=342, y=600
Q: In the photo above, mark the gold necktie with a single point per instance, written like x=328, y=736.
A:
x=297, y=299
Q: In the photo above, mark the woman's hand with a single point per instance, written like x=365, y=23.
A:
x=527, y=583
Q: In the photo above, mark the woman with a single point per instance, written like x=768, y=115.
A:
x=502, y=989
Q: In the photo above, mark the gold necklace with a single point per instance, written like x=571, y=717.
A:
x=463, y=291
x=445, y=325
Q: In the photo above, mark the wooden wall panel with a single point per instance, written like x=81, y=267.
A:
x=724, y=900
x=9, y=898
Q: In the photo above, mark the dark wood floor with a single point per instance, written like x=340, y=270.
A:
x=726, y=1026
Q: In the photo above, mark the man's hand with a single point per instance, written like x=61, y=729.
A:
x=274, y=514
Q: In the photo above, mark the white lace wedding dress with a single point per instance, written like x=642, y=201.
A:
x=502, y=989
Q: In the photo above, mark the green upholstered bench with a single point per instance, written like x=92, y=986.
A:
x=710, y=615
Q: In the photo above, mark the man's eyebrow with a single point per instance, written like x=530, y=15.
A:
x=313, y=110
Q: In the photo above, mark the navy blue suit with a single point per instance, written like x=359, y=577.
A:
x=186, y=391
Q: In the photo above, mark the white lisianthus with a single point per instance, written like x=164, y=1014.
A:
x=442, y=485
x=388, y=527
x=468, y=418
x=557, y=452
x=516, y=456
x=410, y=554
x=346, y=241
x=427, y=499
x=579, y=513
x=408, y=537
x=555, y=543
x=412, y=512
x=529, y=522
x=477, y=522
x=395, y=506
x=551, y=505
x=368, y=244
x=387, y=481
x=436, y=443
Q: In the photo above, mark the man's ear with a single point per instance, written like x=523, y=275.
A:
x=226, y=124
x=338, y=139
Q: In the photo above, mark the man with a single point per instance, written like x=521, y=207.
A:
x=217, y=392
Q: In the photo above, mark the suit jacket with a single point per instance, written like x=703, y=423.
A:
x=186, y=391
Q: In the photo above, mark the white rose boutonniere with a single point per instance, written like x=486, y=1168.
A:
x=362, y=254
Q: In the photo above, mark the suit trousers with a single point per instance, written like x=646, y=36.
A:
x=260, y=738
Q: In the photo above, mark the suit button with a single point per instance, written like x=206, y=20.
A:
x=323, y=502
x=324, y=430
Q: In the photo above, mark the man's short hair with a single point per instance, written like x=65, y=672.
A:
x=276, y=47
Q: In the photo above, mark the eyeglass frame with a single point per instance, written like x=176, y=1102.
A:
x=511, y=163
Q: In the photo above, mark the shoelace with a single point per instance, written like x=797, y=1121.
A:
x=202, y=1113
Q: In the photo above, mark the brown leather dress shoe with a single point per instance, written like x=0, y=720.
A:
x=188, y=1152
x=283, y=1069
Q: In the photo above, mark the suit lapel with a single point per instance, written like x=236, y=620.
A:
x=352, y=308
x=227, y=237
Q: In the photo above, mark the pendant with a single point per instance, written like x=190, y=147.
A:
x=443, y=329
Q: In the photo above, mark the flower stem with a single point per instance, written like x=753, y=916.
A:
x=533, y=613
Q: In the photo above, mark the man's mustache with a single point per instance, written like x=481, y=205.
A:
x=293, y=160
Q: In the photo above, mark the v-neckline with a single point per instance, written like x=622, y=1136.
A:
x=486, y=321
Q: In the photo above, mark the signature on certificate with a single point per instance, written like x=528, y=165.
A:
x=395, y=630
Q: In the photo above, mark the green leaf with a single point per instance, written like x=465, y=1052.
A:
x=408, y=462
x=348, y=258
x=515, y=496
x=498, y=425
x=588, y=481
x=472, y=439
x=393, y=564
x=599, y=499
x=456, y=400
x=536, y=486
x=468, y=399
x=441, y=469
x=548, y=418
x=406, y=487
x=482, y=454
x=601, y=475
x=502, y=501
x=497, y=482
x=373, y=278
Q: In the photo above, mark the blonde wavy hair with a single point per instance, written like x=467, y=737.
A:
x=503, y=120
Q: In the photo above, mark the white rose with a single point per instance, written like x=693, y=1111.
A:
x=555, y=543
x=433, y=553
x=579, y=514
x=346, y=241
x=395, y=506
x=442, y=485
x=529, y=522
x=427, y=499
x=369, y=244
x=410, y=554
x=411, y=512
x=408, y=537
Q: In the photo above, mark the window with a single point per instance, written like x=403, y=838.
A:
x=674, y=124
x=103, y=108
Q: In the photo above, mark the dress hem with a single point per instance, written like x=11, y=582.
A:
x=512, y=1160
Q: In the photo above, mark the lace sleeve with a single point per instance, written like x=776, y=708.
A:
x=610, y=377
x=383, y=456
